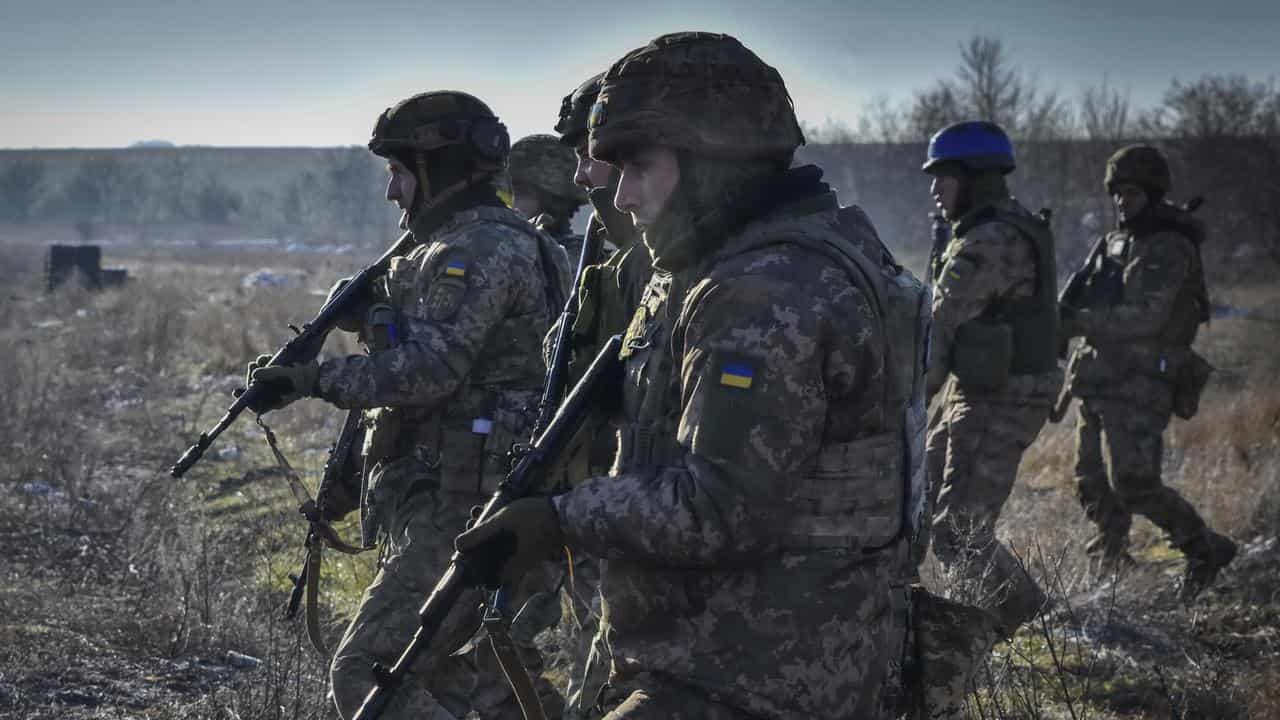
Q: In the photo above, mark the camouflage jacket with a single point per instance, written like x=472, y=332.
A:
x=1131, y=347
x=740, y=374
x=470, y=305
x=991, y=261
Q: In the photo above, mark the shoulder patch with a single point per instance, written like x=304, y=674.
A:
x=737, y=375
x=455, y=268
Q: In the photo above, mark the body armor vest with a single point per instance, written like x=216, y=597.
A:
x=1033, y=320
x=467, y=437
x=862, y=494
x=1105, y=283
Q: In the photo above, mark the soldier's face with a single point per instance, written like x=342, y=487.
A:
x=590, y=173
x=401, y=188
x=1129, y=201
x=946, y=194
x=649, y=176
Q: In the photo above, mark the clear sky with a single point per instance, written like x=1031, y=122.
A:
x=237, y=72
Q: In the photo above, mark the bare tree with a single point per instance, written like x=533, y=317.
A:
x=992, y=90
x=1214, y=106
x=1104, y=112
x=935, y=108
x=987, y=86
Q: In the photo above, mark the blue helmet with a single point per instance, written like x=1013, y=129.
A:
x=976, y=145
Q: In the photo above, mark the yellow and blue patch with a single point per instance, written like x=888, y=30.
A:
x=455, y=268
x=737, y=375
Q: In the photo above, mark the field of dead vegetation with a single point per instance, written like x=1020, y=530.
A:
x=127, y=594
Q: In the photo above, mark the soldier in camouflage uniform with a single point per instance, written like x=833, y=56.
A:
x=608, y=294
x=454, y=331
x=541, y=171
x=1142, y=305
x=994, y=331
x=758, y=466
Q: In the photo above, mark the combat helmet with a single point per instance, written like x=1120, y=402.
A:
x=976, y=145
x=1141, y=165
x=542, y=163
x=449, y=139
x=575, y=109
x=696, y=91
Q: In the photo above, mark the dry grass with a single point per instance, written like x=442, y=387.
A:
x=122, y=591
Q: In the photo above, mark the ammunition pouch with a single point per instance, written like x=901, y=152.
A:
x=982, y=356
x=852, y=499
x=387, y=485
x=476, y=459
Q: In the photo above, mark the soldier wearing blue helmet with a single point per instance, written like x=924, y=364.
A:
x=994, y=348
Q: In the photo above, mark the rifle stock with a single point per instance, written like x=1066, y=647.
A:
x=303, y=347
x=524, y=479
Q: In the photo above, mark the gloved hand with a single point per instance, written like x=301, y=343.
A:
x=283, y=383
x=503, y=548
x=351, y=320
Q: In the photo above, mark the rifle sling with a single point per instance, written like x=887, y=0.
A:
x=312, y=596
x=496, y=626
x=320, y=534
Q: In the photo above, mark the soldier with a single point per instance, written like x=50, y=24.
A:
x=542, y=171
x=454, y=367
x=759, y=466
x=994, y=331
x=1143, y=302
x=608, y=294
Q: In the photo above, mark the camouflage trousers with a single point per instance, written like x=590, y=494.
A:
x=1118, y=456
x=651, y=696
x=974, y=452
x=589, y=657
x=950, y=640
x=418, y=529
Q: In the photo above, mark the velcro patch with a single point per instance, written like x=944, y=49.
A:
x=444, y=298
x=455, y=268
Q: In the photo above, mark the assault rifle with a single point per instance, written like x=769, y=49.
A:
x=1072, y=297
x=532, y=466
x=303, y=347
x=562, y=349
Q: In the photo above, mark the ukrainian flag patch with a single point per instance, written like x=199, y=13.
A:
x=455, y=268
x=737, y=375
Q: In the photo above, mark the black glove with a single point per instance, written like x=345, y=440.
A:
x=515, y=539
x=351, y=320
x=281, y=384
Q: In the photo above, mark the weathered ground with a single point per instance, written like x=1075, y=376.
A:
x=126, y=594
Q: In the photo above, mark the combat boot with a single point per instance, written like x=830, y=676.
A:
x=1207, y=553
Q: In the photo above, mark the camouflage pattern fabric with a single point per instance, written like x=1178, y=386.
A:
x=982, y=436
x=771, y=355
x=654, y=696
x=950, y=640
x=1118, y=454
x=608, y=295
x=442, y=686
x=1123, y=377
x=543, y=163
x=978, y=446
x=444, y=400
